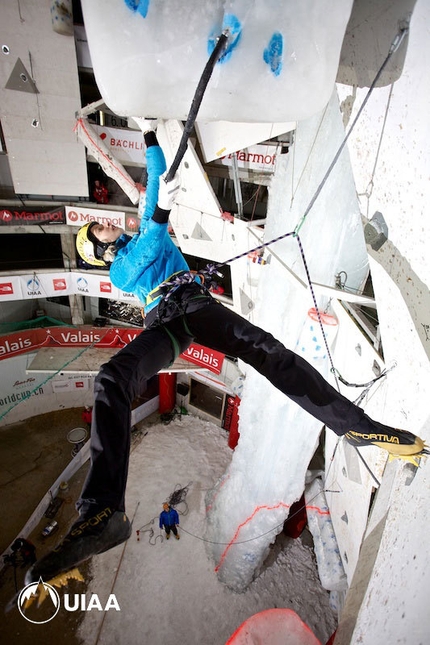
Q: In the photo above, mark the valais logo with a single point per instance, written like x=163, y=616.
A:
x=39, y=602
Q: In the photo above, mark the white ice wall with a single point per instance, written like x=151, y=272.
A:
x=278, y=439
x=391, y=160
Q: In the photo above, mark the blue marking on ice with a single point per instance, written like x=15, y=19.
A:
x=234, y=27
x=141, y=6
x=273, y=53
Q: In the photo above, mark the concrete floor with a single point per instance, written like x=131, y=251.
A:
x=33, y=454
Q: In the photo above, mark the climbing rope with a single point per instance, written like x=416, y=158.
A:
x=393, y=48
x=369, y=189
x=213, y=268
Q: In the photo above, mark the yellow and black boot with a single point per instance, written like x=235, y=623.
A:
x=400, y=444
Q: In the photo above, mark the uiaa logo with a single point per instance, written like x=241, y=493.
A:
x=33, y=286
x=39, y=602
x=39, y=591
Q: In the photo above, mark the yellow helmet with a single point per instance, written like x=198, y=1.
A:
x=166, y=506
x=89, y=247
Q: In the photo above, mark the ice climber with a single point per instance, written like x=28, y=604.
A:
x=179, y=309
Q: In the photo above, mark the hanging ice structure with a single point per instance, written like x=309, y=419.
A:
x=148, y=56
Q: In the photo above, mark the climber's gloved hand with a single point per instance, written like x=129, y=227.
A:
x=168, y=192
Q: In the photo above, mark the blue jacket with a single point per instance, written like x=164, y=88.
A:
x=169, y=518
x=144, y=261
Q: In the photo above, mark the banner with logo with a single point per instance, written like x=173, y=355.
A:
x=91, y=284
x=45, y=285
x=127, y=146
x=49, y=285
x=80, y=215
x=29, y=216
x=70, y=384
x=204, y=357
x=260, y=158
x=17, y=386
x=10, y=288
x=30, y=340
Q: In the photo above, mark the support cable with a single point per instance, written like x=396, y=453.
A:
x=394, y=47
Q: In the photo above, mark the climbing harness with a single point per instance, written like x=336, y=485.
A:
x=174, y=296
x=169, y=286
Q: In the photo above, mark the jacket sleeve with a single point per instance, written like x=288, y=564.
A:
x=161, y=521
x=176, y=519
x=138, y=255
x=155, y=165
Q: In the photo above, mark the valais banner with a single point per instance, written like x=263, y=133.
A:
x=30, y=340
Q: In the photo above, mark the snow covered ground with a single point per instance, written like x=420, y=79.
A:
x=167, y=591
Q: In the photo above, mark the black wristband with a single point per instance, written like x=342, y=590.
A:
x=160, y=215
x=150, y=139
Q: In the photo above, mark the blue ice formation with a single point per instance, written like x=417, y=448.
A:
x=273, y=53
x=233, y=26
x=141, y=6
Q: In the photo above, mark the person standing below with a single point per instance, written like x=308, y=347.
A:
x=87, y=416
x=169, y=519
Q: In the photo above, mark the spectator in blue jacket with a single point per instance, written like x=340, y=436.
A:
x=169, y=519
x=179, y=310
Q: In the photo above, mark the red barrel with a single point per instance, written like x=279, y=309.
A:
x=167, y=392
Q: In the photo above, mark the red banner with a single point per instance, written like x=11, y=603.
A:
x=30, y=340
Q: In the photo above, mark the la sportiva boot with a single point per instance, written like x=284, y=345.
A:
x=88, y=536
x=400, y=444
x=177, y=536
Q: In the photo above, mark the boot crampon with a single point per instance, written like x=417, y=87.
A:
x=400, y=444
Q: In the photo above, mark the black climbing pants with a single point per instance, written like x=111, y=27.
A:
x=172, y=528
x=193, y=315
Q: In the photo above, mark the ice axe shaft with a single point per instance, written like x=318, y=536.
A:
x=195, y=105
